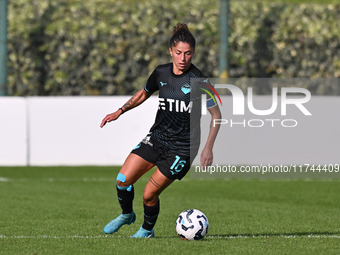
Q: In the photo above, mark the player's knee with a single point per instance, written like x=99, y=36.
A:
x=119, y=183
x=149, y=198
x=122, y=183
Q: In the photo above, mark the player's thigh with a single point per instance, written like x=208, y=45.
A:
x=156, y=184
x=133, y=168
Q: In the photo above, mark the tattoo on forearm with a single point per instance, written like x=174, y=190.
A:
x=154, y=182
x=128, y=105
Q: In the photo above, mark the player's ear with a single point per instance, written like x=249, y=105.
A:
x=170, y=50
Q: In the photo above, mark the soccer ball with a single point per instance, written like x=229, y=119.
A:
x=192, y=224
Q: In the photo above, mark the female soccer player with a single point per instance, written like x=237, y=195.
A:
x=169, y=145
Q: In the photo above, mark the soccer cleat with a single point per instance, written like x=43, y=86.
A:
x=114, y=225
x=143, y=233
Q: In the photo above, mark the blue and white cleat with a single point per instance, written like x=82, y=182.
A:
x=123, y=219
x=143, y=233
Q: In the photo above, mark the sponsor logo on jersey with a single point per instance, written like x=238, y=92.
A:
x=163, y=83
x=174, y=105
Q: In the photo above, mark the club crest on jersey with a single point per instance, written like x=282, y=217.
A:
x=186, y=88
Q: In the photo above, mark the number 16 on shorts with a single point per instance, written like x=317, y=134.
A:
x=177, y=166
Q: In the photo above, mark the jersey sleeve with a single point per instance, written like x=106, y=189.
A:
x=211, y=102
x=151, y=85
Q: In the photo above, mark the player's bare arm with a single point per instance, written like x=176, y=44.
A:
x=207, y=153
x=134, y=101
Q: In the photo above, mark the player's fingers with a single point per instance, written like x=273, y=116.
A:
x=104, y=121
x=203, y=159
x=207, y=162
x=204, y=162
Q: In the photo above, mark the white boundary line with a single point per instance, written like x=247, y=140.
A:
x=53, y=179
x=94, y=179
x=208, y=237
x=274, y=235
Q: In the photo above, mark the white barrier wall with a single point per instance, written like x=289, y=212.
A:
x=13, y=131
x=65, y=131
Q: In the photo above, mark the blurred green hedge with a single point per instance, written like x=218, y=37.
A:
x=97, y=47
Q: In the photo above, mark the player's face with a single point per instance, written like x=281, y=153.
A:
x=181, y=57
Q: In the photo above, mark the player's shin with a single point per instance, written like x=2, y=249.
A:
x=125, y=198
x=150, y=215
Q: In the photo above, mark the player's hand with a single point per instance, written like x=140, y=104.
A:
x=110, y=117
x=206, y=157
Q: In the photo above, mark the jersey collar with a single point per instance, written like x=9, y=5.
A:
x=180, y=75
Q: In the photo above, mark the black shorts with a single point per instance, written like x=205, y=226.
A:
x=171, y=164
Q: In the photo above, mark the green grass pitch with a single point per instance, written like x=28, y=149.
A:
x=62, y=210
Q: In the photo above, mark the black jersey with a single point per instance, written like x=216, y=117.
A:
x=177, y=124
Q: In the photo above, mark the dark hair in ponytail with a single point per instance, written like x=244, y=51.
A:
x=181, y=33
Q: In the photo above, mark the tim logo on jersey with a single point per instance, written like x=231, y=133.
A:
x=174, y=105
x=186, y=106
